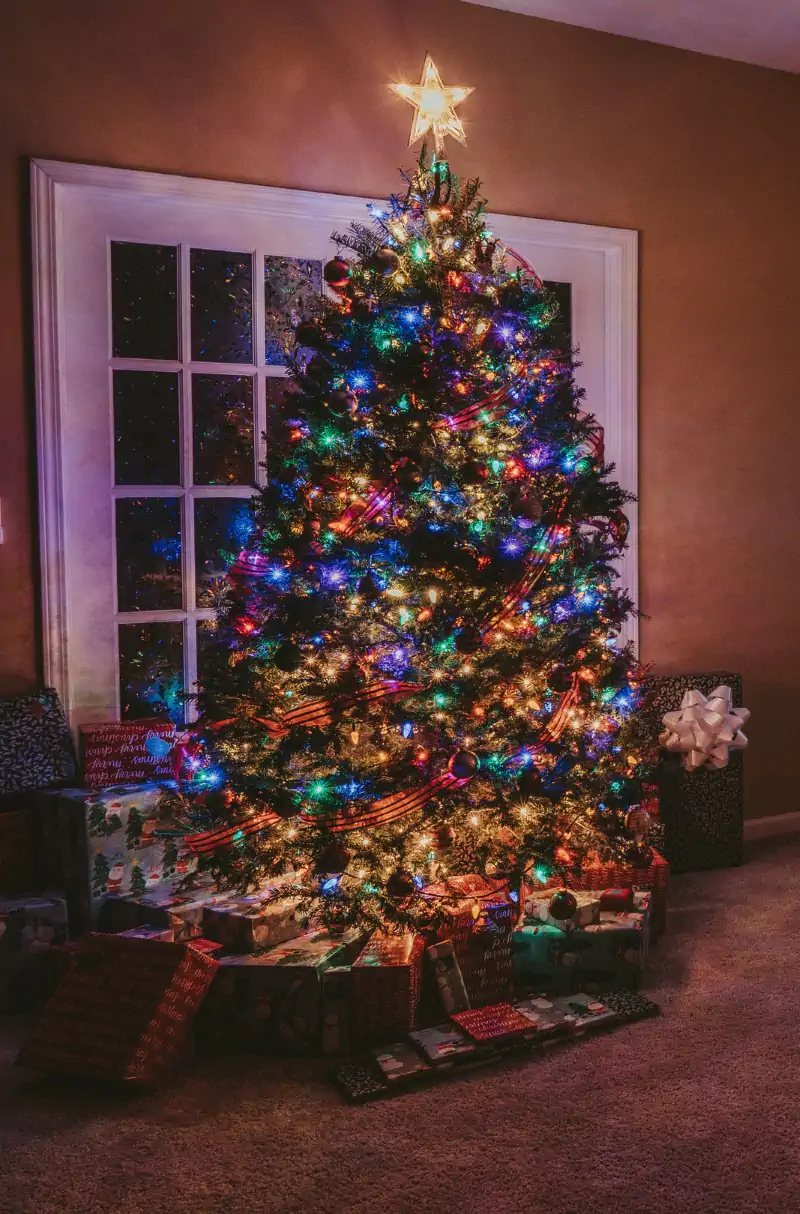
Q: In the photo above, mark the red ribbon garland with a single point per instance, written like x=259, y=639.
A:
x=390, y=808
x=470, y=417
x=561, y=717
x=324, y=712
x=209, y=841
x=359, y=514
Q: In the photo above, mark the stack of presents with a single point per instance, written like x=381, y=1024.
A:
x=124, y=959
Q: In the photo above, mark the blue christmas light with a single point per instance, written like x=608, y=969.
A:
x=408, y=729
x=330, y=886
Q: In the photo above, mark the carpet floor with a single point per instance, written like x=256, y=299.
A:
x=698, y=1110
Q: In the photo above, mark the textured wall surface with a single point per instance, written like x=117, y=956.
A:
x=698, y=154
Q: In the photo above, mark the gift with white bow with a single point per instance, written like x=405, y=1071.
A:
x=705, y=729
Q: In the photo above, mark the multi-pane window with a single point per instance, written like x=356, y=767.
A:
x=198, y=343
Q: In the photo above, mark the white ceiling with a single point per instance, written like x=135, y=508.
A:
x=756, y=31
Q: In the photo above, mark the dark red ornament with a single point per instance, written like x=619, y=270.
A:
x=528, y=511
x=342, y=400
x=385, y=260
x=409, y=475
x=639, y=855
x=308, y=333
x=563, y=905
x=400, y=884
x=619, y=526
x=333, y=859
x=559, y=678
x=474, y=472
x=288, y=657
x=463, y=764
x=529, y=782
x=468, y=640
x=368, y=587
x=337, y=273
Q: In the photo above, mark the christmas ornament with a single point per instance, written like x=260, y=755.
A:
x=288, y=657
x=468, y=640
x=463, y=763
x=705, y=729
x=363, y=307
x=474, y=472
x=368, y=588
x=308, y=333
x=563, y=905
x=386, y=260
x=434, y=107
x=342, y=401
x=619, y=527
x=529, y=781
x=400, y=884
x=639, y=855
x=283, y=803
x=528, y=511
x=334, y=858
x=336, y=273
x=408, y=475
x=559, y=678
x=637, y=821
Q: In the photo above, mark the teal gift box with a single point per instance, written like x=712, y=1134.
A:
x=602, y=956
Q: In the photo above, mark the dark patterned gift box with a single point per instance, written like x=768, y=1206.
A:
x=702, y=812
x=122, y=1012
x=273, y=1002
x=36, y=748
x=387, y=986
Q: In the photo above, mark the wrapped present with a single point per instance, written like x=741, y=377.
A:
x=359, y=1082
x=36, y=748
x=702, y=812
x=478, y=922
x=32, y=928
x=127, y=753
x=337, y=988
x=253, y=922
x=601, y=956
x=116, y=842
x=19, y=850
x=211, y=947
x=494, y=1025
x=537, y=910
x=597, y=875
x=272, y=1001
x=147, y=932
x=179, y=911
x=445, y=1045
x=387, y=984
x=584, y=1013
x=400, y=1064
x=548, y=1021
x=448, y=977
x=122, y=1012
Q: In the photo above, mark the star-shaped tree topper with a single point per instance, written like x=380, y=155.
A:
x=435, y=106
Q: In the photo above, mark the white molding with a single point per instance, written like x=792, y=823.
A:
x=50, y=182
x=772, y=827
x=45, y=225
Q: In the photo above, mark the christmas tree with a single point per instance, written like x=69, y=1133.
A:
x=412, y=671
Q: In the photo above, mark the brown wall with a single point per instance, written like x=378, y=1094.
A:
x=698, y=154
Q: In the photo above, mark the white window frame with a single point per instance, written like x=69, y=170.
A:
x=610, y=371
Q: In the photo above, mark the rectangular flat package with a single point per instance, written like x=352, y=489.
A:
x=448, y=977
x=400, y=1063
x=253, y=922
x=444, y=1045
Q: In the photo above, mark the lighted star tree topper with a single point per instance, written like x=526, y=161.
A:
x=434, y=106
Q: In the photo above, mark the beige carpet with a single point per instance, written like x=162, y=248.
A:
x=698, y=1111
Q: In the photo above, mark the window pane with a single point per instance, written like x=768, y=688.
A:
x=144, y=300
x=561, y=329
x=151, y=670
x=292, y=286
x=222, y=320
x=222, y=527
x=148, y=553
x=146, y=428
x=224, y=428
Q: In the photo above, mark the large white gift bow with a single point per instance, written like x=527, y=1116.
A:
x=705, y=729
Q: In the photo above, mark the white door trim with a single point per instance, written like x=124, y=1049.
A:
x=49, y=181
